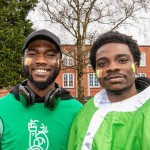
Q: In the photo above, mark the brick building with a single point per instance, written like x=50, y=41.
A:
x=68, y=77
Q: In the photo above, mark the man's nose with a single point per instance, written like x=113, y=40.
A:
x=113, y=66
x=41, y=59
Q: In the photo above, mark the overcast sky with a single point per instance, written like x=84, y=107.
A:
x=142, y=37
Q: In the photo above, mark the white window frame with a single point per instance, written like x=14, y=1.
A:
x=95, y=80
x=140, y=75
x=143, y=60
x=68, y=80
x=68, y=60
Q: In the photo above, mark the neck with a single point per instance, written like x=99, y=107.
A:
x=116, y=96
x=40, y=92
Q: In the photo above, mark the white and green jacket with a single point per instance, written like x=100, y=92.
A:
x=101, y=125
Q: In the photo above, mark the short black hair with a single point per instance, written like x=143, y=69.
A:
x=114, y=37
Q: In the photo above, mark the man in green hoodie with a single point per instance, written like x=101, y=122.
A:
x=118, y=117
x=38, y=114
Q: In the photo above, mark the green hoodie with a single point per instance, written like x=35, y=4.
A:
x=36, y=127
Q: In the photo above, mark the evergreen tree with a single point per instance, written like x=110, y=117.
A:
x=14, y=27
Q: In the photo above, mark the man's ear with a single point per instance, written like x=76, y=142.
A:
x=136, y=66
x=61, y=62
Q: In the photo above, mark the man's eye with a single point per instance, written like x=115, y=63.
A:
x=51, y=54
x=122, y=61
x=101, y=64
x=31, y=54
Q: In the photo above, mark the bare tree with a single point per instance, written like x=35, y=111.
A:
x=82, y=17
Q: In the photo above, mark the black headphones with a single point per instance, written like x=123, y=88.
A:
x=27, y=96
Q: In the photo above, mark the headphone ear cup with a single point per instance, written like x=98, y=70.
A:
x=52, y=98
x=27, y=97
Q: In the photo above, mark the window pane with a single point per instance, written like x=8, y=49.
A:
x=93, y=82
x=68, y=80
x=140, y=75
x=143, y=60
x=68, y=61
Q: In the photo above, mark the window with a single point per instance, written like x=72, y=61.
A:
x=93, y=82
x=140, y=75
x=143, y=59
x=68, y=79
x=68, y=60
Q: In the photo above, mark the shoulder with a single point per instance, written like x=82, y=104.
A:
x=83, y=118
x=88, y=106
x=6, y=98
x=72, y=104
x=75, y=102
x=87, y=110
x=7, y=102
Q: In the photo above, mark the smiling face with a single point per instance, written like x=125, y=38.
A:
x=115, y=62
x=41, y=63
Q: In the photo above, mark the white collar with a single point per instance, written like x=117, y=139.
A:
x=101, y=98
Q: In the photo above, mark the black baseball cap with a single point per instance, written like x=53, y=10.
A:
x=45, y=35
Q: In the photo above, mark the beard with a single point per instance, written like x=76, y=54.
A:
x=120, y=91
x=43, y=84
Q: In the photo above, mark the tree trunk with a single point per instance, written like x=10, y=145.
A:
x=80, y=84
x=81, y=97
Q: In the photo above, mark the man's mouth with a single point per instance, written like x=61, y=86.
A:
x=114, y=77
x=40, y=70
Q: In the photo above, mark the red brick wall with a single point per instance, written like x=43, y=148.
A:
x=93, y=91
x=146, y=69
x=3, y=92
